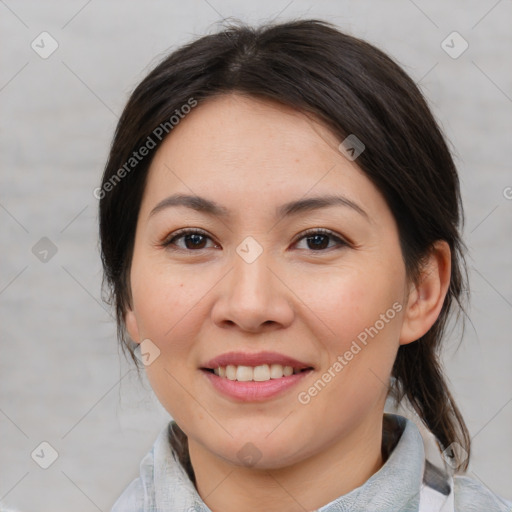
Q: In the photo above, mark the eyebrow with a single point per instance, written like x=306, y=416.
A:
x=209, y=207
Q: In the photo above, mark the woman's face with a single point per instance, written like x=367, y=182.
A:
x=277, y=272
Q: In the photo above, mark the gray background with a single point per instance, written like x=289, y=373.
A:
x=62, y=378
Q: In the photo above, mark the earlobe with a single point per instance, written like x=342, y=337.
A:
x=426, y=298
x=130, y=321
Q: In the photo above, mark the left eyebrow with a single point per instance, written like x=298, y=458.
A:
x=315, y=203
x=204, y=205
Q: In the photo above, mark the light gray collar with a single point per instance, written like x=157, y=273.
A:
x=165, y=485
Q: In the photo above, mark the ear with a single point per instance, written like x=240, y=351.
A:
x=130, y=321
x=426, y=297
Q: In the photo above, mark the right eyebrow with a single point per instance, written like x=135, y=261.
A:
x=200, y=204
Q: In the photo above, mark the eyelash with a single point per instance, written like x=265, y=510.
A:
x=169, y=241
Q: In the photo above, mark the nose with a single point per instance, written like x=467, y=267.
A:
x=253, y=297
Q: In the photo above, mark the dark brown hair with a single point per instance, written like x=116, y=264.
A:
x=353, y=88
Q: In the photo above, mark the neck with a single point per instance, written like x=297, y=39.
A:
x=306, y=485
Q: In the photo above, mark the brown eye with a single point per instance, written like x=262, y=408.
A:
x=318, y=239
x=192, y=240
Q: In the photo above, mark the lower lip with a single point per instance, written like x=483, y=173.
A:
x=252, y=391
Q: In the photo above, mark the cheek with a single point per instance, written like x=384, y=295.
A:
x=351, y=302
x=168, y=306
x=164, y=303
x=362, y=313
x=170, y=309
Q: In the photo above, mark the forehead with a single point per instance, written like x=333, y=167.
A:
x=251, y=151
x=250, y=129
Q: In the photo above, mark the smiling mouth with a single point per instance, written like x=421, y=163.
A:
x=260, y=373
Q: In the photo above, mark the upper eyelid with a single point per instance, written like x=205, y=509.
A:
x=322, y=231
x=185, y=231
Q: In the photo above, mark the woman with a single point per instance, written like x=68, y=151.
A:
x=279, y=221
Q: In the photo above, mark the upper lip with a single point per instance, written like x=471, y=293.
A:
x=256, y=359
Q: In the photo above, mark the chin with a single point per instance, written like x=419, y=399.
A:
x=259, y=451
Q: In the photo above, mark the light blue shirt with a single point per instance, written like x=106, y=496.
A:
x=404, y=480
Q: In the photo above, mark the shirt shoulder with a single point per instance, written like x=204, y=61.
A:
x=132, y=498
x=473, y=496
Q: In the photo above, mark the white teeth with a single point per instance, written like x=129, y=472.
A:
x=231, y=372
x=244, y=373
x=276, y=371
x=259, y=373
x=220, y=371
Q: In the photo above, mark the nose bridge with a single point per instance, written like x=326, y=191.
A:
x=253, y=296
x=251, y=274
